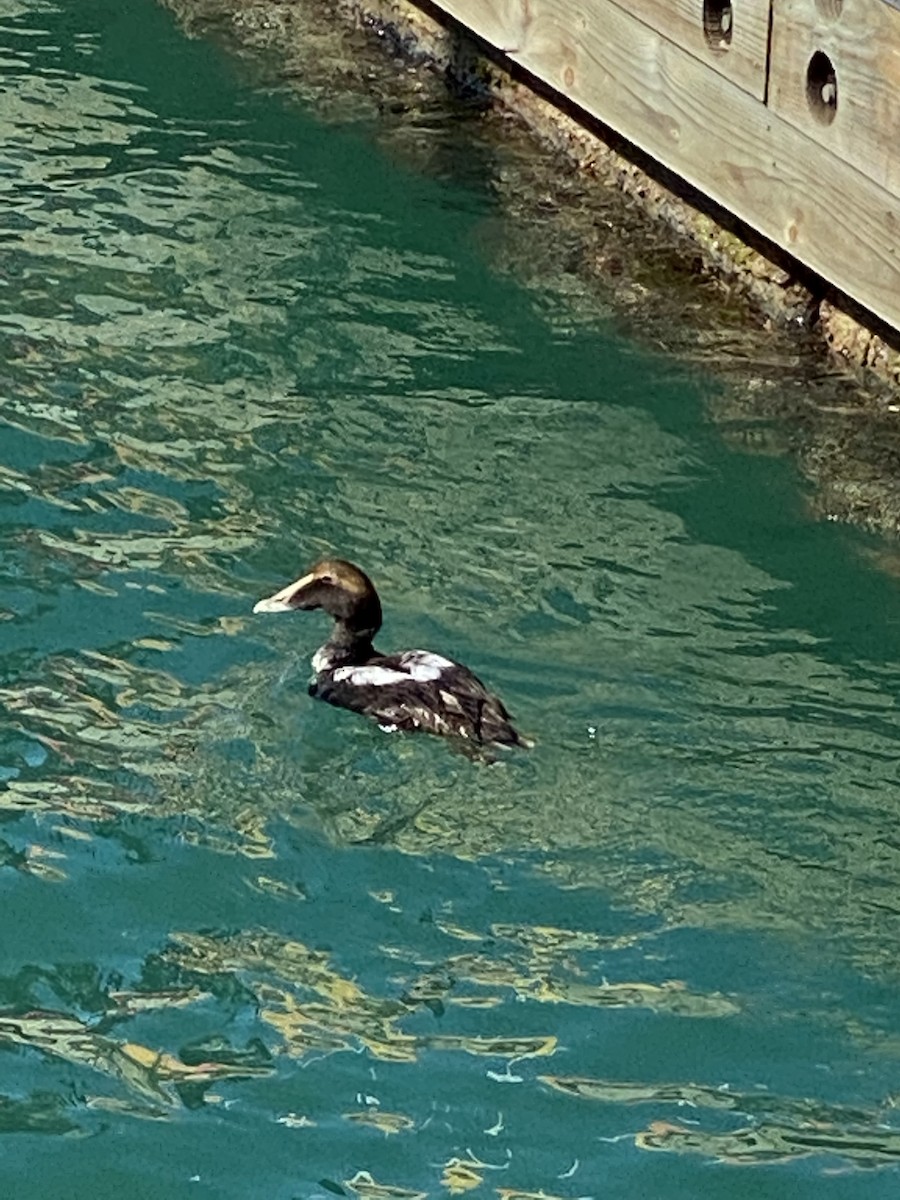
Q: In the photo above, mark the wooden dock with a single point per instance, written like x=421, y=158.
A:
x=784, y=112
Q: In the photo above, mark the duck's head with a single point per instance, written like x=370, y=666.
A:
x=338, y=588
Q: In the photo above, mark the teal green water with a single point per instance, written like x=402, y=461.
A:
x=254, y=946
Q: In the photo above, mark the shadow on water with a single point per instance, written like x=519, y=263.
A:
x=270, y=948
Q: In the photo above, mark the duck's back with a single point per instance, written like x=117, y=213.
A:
x=419, y=690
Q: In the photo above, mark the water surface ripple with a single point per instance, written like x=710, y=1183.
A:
x=255, y=946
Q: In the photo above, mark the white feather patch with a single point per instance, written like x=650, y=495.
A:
x=321, y=660
x=417, y=665
x=423, y=665
x=371, y=676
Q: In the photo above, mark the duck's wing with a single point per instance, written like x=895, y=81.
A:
x=421, y=690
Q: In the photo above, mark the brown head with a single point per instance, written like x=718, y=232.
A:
x=338, y=588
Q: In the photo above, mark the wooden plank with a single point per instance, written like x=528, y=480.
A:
x=504, y=23
x=710, y=132
x=861, y=39
x=741, y=55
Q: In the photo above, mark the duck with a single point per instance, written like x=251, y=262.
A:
x=410, y=690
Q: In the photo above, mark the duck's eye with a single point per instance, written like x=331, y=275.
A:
x=325, y=579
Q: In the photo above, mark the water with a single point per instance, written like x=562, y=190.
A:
x=253, y=946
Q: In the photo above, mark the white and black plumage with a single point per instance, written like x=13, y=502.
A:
x=411, y=690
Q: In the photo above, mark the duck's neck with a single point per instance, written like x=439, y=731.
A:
x=345, y=648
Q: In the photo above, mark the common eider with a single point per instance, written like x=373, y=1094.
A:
x=412, y=690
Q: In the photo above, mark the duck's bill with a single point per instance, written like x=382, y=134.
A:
x=284, y=601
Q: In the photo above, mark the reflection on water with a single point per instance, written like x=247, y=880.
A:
x=234, y=338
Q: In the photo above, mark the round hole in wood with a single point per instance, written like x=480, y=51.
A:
x=821, y=88
x=830, y=9
x=717, y=23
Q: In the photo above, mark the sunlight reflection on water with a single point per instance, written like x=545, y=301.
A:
x=235, y=339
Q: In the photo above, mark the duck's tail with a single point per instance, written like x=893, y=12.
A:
x=497, y=729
